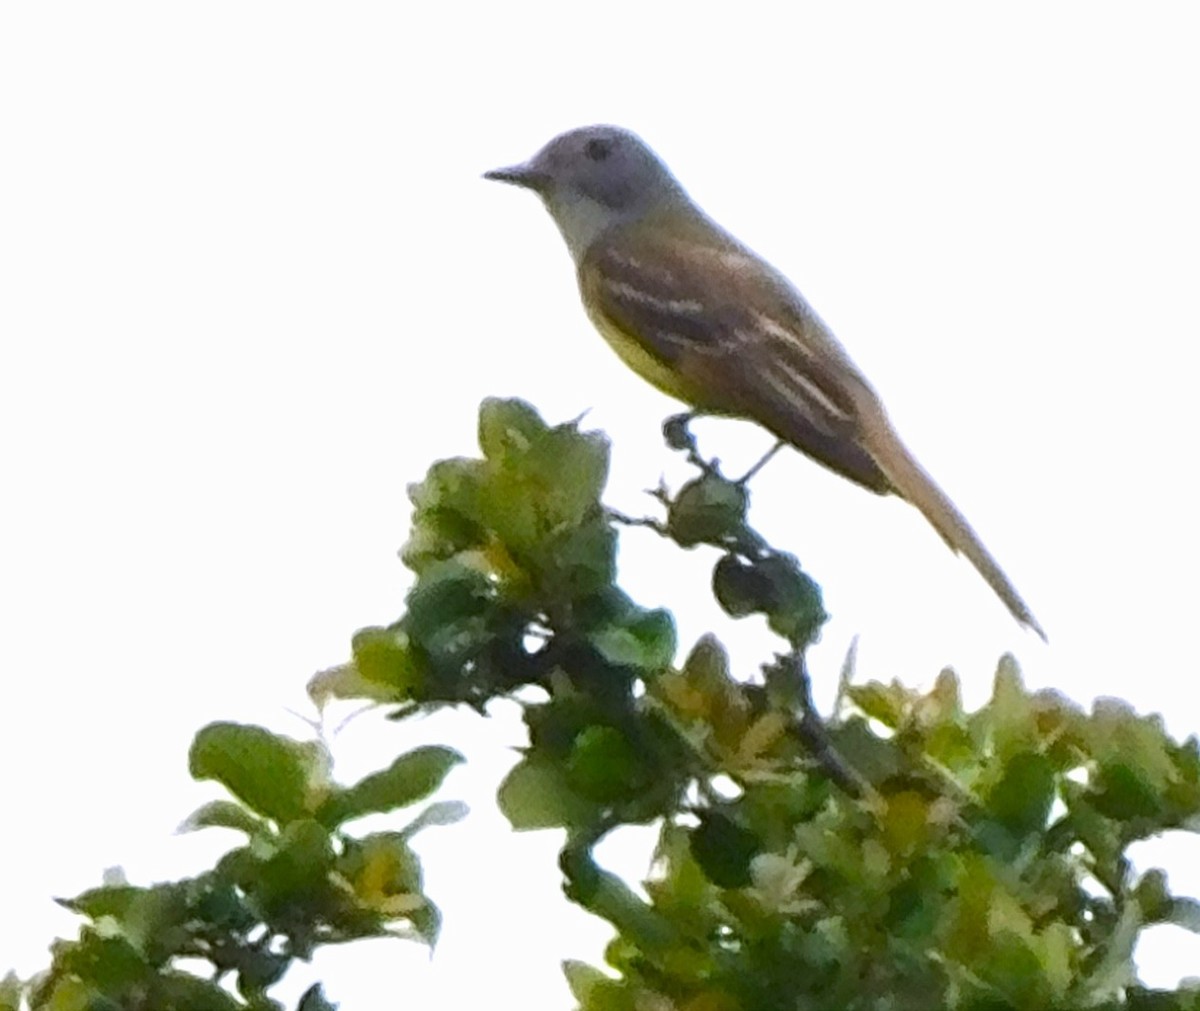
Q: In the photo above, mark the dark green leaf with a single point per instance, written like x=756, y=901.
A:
x=774, y=586
x=258, y=970
x=111, y=964
x=873, y=757
x=724, y=849
x=446, y=598
x=217, y=902
x=604, y=766
x=1123, y=793
x=314, y=1000
x=293, y=882
x=1154, y=896
x=1022, y=798
x=707, y=510
x=646, y=641
x=179, y=991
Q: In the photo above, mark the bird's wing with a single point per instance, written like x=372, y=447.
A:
x=737, y=339
x=740, y=340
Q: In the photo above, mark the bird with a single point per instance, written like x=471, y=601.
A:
x=707, y=321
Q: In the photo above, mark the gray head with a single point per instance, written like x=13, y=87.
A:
x=593, y=178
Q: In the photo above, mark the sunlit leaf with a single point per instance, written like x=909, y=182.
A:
x=223, y=814
x=411, y=777
x=535, y=794
x=276, y=776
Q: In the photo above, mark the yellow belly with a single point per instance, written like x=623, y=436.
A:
x=654, y=370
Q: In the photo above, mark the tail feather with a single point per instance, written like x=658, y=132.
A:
x=911, y=482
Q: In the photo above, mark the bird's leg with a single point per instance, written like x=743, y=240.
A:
x=761, y=463
x=676, y=433
x=679, y=437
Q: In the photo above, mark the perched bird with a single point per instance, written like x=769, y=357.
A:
x=708, y=322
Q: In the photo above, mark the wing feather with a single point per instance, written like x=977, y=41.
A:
x=737, y=339
x=724, y=331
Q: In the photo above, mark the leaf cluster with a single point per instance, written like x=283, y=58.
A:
x=299, y=880
x=900, y=854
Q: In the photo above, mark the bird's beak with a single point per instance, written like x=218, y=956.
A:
x=525, y=174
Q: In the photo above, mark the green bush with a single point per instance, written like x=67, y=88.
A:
x=900, y=853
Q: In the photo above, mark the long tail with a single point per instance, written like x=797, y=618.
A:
x=910, y=480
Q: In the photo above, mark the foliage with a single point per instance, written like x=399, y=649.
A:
x=299, y=881
x=902, y=853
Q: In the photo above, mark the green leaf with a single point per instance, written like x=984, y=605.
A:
x=580, y=560
x=1185, y=913
x=535, y=794
x=224, y=814
x=180, y=990
x=427, y=922
x=157, y=921
x=1022, y=798
x=260, y=969
x=314, y=1000
x=873, y=757
x=646, y=642
x=293, y=881
x=447, y=505
x=218, y=902
x=707, y=510
x=574, y=467
x=111, y=964
x=508, y=427
x=444, y=812
x=889, y=704
x=724, y=849
x=583, y=978
x=382, y=862
x=393, y=678
x=603, y=766
x=109, y=900
x=411, y=777
x=1153, y=896
x=606, y=895
x=276, y=776
x=69, y=993
x=10, y=992
x=1011, y=714
x=595, y=991
x=447, y=597
x=1122, y=792
x=774, y=586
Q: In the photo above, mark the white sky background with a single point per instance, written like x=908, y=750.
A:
x=251, y=285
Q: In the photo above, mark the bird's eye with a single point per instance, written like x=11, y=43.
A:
x=597, y=149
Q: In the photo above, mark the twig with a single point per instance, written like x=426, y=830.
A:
x=811, y=730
